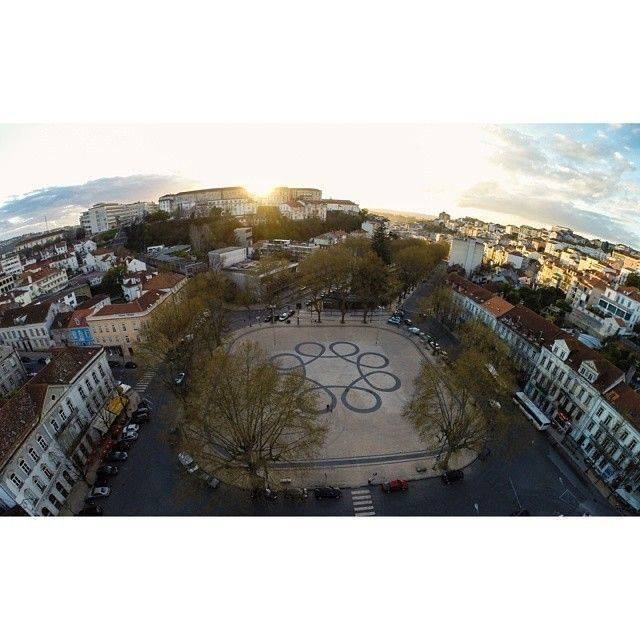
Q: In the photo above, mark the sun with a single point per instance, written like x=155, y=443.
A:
x=259, y=188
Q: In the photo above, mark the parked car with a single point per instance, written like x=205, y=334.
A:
x=128, y=436
x=25, y=359
x=130, y=365
x=44, y=360
x=91, y=510
x=114, y=364
x=117, y=456
x=283, y=316
x=294, y=493
x=145, y=404
x=188, y=462
x=107, y=470
x=120, y=445
x=179, y=379
x=99, y=492
x=327, y=493
x=414, y=330
x=393, y=320
x=407, y=322
x=395, y=485
x=449, y=477
x=267, y=318
x=132, y=427
x=140, y=418
x=213, y=482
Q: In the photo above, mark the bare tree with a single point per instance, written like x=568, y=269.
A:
x=243, y=415
x=445, y=411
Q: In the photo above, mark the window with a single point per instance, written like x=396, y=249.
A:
x=63, y=492
x=34, y=456
x=42, y=442
x=16, y=480
x=54, y=501
x=47, y=472
x=38, y=482
x=88, y=385
x=45, y=511
x=83, y=395
x=54, y=424
x=24, y=466
x=599, y=411
x=95, y=377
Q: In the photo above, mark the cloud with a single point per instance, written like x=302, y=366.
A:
x=62, y=205
x=492, y=196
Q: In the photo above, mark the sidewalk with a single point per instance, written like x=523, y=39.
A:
x=76, y=500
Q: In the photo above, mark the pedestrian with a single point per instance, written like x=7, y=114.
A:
x=328, y=407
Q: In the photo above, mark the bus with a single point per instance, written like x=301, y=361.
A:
x=531, y=411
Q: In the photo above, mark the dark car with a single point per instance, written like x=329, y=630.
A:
x=130, y=365
x=294, y=493
x=327, y=493
x=107, y=470
x=140, y=417
x=395, y=485
x=144, y=404
x=451, y=476
x=117, y=456
x=407, y=322
x=44, y=360
x=484, y=453
x=267, y=319
x=131, y=436
x=91, y=510
x=119, y=445
x=114, y=364
x=25, y=359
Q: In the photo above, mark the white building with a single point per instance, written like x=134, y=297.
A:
x=51, y=426
x=467, y=253
x=10, y=264
x=43, y=280
x=28, y=328
x=110, y=215
x=228, y=256
x=12, y=372
x=623, y=303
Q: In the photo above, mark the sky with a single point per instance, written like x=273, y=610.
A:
x=583, y=176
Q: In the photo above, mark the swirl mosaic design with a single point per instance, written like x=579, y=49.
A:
x=369, y=376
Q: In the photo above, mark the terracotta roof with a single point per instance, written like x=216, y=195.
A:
x=164, y=280
x=61, y=321
x=139, y=305
x=92, y=302
x=102, y=251
x=531, y=325
x=474, y=291
x=41, y=274
x=34, y=313
x=608, y=373
x=497, y=306
x=20, y=414
x=626, y=401
x=630, y=292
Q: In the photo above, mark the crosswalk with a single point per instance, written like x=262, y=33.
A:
x=145, y=379
x=362, y=502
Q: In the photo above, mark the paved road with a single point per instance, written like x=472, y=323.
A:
x=523, y=470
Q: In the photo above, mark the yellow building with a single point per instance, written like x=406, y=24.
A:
x=117, y=326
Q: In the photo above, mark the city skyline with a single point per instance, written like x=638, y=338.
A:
x=582, y=176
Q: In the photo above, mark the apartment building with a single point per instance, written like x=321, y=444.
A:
x=10, y=264
x=105, y=216
x=622, y=303
x=282, y=195
x=39, y=280
x=467, y=253
x=39, y=240
x=585, y=396
x=29, y=328
x=118, y=327
x=50, y=427
x=12, y=371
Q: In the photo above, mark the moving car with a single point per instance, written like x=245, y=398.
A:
x=117, y=456
x=91, y=510
x=107, y=470
x=327, y=493
x=188, y=462
x=395, y=485
x=179, y=379
x=99, y=492
x=449, y=477
x=130, y=365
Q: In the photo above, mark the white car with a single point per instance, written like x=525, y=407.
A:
x=413, y=330
x=393, y=320
x=100, y=492
x=131, y=428
x=179, y=379
x=188, y=462
x=495, y=404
